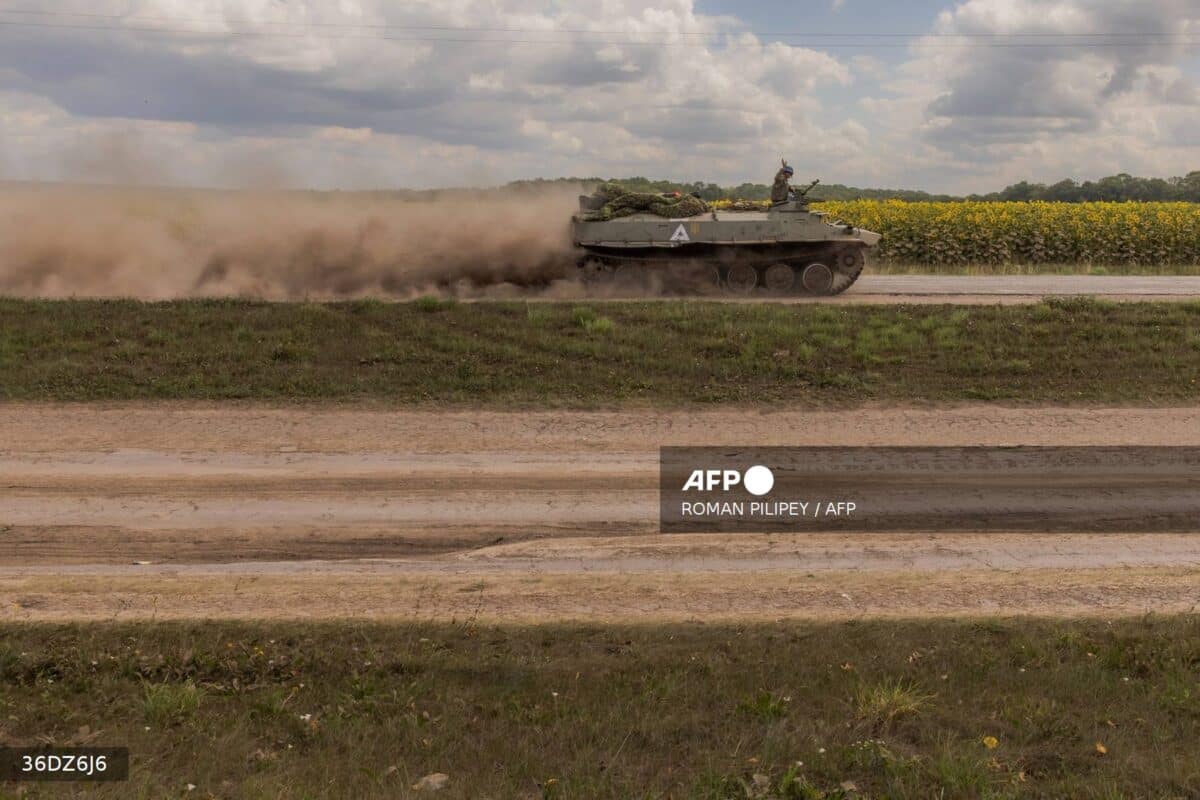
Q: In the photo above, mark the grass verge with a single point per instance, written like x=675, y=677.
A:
x=914, y=709
x=433, y=352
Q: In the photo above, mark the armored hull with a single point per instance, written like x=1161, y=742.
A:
x=787, y=249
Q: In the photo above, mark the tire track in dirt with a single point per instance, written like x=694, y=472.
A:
x=324, y=511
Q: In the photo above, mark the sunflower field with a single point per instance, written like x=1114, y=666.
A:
x=1027, y=233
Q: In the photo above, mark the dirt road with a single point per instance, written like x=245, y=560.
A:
x=165, y=511
x=956, y=290
x=1031, y=285
x=1018, y=289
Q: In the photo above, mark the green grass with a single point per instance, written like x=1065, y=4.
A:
x=902, y=709
x=879, y=704
x=165, y=703
x=438, y=353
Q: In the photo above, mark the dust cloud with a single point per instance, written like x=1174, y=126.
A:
x=156, y=244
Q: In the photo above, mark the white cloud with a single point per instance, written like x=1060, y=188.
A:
x=993, y=114
x=541, y=105
x=320, y=105
x=334, y=133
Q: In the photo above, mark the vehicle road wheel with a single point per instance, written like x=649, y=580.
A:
x=741, y=278
x=780, y=278
x=851, y=261
x=817, y=279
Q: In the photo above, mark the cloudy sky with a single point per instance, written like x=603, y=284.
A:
x=946, y=96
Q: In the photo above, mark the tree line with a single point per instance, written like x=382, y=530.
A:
x=1115, y=188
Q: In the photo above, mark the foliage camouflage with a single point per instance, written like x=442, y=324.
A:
x=622, y=203
x=742, y=205
x=711, y=192
x=1028, y=233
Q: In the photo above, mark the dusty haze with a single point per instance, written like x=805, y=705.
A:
x=154, y=244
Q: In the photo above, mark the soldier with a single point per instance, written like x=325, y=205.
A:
x=781, y=191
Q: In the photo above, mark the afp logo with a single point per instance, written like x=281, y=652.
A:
x=757, y=480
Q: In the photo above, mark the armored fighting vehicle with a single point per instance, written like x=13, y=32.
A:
x=786, y=248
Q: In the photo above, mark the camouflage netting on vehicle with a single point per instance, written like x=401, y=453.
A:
x=742, y=205
x=620, y=202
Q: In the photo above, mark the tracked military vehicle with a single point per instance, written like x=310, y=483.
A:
x=784, y=249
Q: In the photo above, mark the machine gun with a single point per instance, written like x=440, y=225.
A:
x=802, y=194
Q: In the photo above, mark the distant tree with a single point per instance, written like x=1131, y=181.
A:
x=1189, y=187
x=1023, y=191
x=1066, y=191
x=1120, y=187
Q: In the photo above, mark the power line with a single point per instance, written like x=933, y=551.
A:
x=1186, y=38
x=260, y=34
